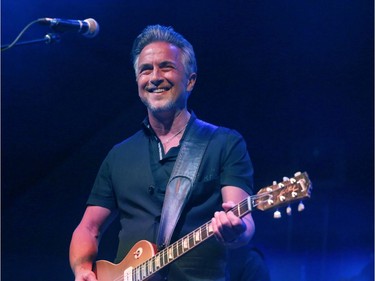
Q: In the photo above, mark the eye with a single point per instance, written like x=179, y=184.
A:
x=145, y=70
x=167, y=66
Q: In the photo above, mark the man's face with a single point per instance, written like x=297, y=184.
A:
x=162, y=82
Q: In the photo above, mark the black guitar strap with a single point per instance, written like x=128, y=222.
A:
x=182, y=178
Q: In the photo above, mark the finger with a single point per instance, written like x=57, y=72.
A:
x=228, y=205
x=238, y=226
x=215, y=229
x=229, y=226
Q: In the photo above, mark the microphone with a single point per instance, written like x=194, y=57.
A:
x=88, y=27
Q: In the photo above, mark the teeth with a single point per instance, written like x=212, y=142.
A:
x=158, y=90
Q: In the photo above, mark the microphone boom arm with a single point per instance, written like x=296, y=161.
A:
x=48, y=39
x=88, y=28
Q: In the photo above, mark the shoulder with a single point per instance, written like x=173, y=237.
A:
x=226, y=142
x=130, y=141
x=228, y=135
x=128, y=147
x=219, y=130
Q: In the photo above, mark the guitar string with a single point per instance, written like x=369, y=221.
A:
x=192, y=241
x=191, y=236
x=174, y=250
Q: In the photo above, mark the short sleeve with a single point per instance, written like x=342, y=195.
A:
x=237, y=168
x=102, y=193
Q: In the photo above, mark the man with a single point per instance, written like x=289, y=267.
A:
x=133, y=178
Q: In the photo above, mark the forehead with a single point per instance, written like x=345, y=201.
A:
x=160, y=50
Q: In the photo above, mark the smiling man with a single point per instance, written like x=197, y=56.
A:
x=133, y=179
x=164, y=86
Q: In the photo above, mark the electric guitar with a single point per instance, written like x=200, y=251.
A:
x=143, y=261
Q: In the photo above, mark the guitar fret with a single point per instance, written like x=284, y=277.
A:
x=153, y=264
x=170, y=254
x=137, y=273
x=165, y=258
x=143, y=271
x=157, y=261
x=191, y=240
x=162, y=258
x=186, y=243
x=140, y=272
x=237, y=211
x=242, y=209
x=197, y=236
x=205, y=233
x=210, y=230
x=149, y=267
x=175, y=251
x=180, y=247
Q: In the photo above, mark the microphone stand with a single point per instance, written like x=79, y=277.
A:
x=48, y=39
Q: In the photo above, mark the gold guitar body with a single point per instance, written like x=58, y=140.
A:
x=139, y=253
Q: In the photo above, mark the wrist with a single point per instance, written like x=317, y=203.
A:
x=238, y=242
x=81, y=268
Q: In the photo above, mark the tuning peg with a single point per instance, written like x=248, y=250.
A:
x=297, y=174
x=277, y=214
x=289, y=210
x=285, y=178
x=301, y=207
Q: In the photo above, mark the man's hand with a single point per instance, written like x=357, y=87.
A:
x=84, y=275
x=228, y=228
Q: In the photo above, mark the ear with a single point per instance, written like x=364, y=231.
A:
x=191, y=81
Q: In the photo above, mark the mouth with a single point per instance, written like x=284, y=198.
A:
x=157, y=90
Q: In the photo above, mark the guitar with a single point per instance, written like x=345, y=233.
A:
x=143, y=261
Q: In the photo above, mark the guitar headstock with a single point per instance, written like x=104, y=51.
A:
x=297, y=188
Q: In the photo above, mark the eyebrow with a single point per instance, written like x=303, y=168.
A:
x=161, y=64
x=167, y=63
x=144, y=66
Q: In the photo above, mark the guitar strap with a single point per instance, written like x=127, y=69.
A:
x=182, y=178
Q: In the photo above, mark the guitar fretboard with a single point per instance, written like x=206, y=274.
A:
x=184, y=244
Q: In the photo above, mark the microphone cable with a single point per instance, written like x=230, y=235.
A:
x=49, y=38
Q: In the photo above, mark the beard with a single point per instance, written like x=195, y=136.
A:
x=167, y=106
x=170, y=105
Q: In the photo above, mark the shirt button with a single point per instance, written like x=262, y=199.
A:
x=151, y=190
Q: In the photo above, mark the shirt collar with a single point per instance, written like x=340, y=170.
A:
x=146, y=127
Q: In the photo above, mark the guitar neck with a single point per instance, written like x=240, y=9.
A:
x=279, y=194
x=185, y=244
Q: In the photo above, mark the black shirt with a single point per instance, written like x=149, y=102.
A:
x=132, y=179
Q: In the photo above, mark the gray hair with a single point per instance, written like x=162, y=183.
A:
x=159, y=33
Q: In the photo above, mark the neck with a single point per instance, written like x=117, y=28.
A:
x=169, y=123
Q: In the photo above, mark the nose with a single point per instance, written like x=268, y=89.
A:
x=156, y=77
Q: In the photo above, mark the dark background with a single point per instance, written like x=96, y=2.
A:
x=294, y=77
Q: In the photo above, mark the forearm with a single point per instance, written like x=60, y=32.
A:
x=83, y=249
x=85, y=242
